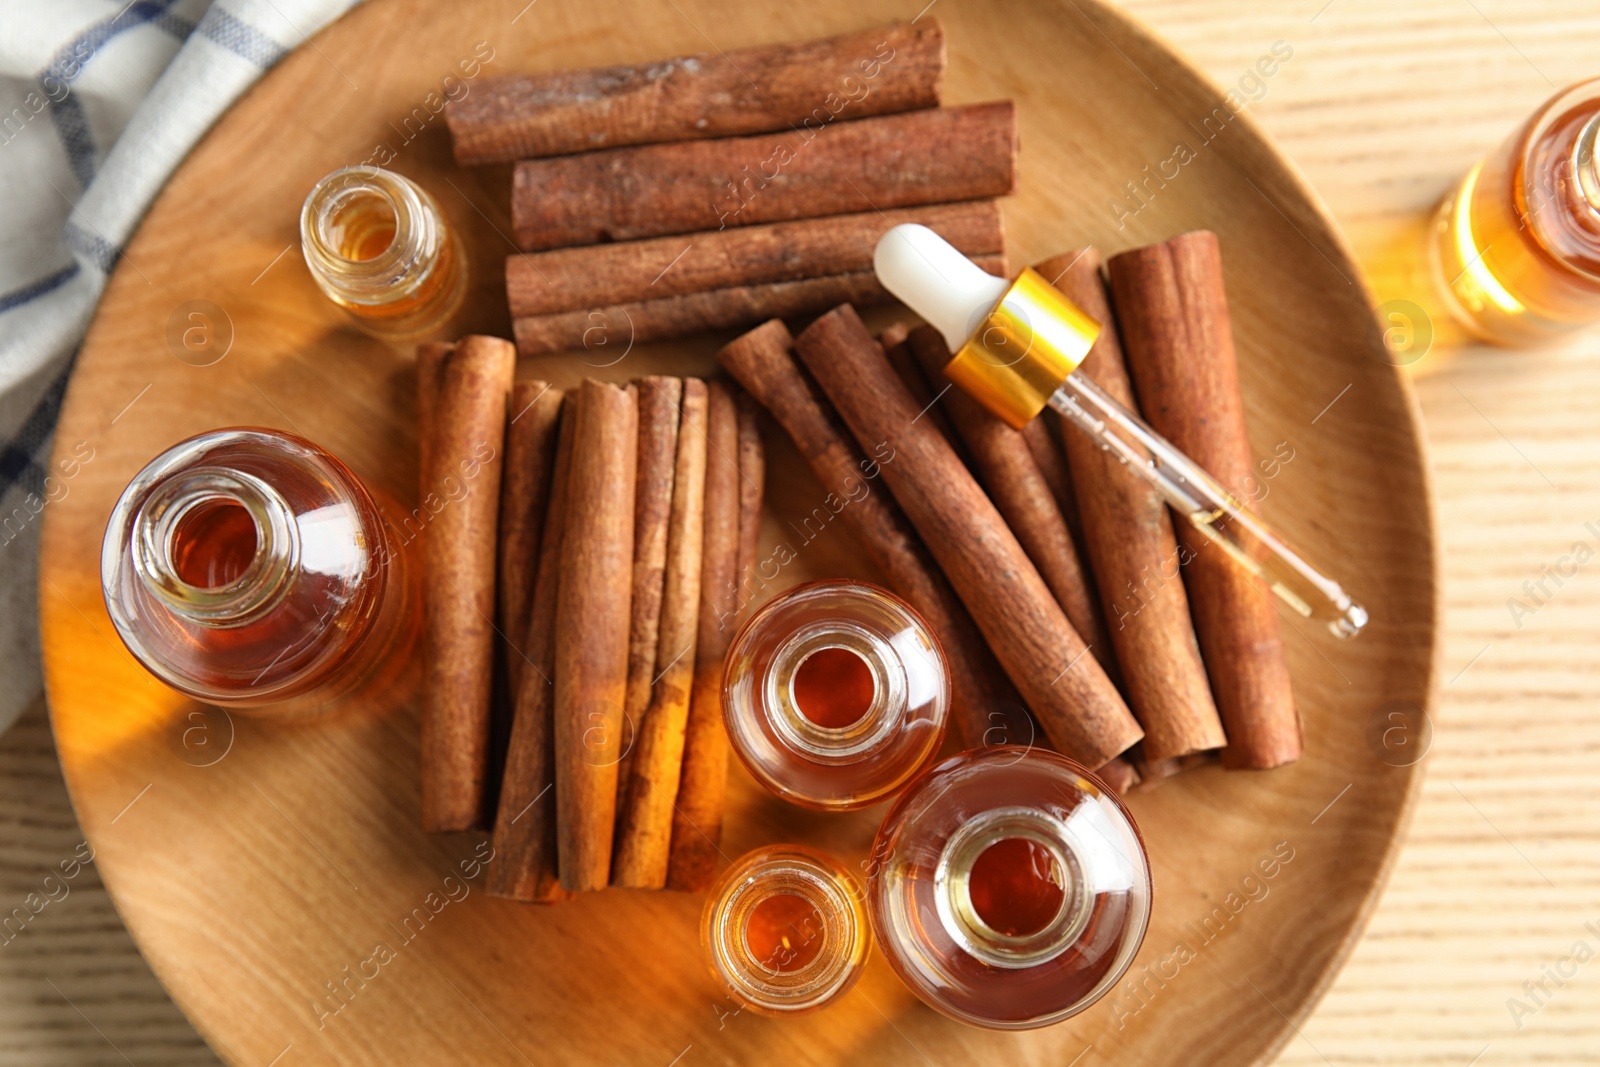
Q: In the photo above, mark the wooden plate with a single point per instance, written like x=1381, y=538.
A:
x=275, y=876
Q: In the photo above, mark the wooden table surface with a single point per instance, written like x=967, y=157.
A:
x=1382, y=105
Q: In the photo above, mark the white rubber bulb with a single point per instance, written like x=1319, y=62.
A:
x=946, y=288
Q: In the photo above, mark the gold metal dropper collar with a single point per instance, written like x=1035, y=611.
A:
x=1023, y=350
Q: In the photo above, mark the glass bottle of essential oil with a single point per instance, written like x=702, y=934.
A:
x=250, y=567
x=1516, y=247
x=785, y=930
x=1010, y=888
x=378, y=246
x=835, y=694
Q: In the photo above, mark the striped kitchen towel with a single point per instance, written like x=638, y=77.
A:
x=100, y=100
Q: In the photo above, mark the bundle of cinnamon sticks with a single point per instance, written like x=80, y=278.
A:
x=1049, y=570
x=588, y=546
x=667, y=198
x=582, y=555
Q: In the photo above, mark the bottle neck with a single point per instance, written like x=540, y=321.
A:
x=835, y=738
x=191, y=546
x=976, y=895
x=370, y=237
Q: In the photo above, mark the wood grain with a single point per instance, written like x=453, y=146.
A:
x=1384, y=107
x=1301, y=343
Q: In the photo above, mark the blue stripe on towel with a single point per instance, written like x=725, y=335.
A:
x=39, y=288
x=70, y=59
x=238, y=36
x=17, y=463
x=99, y=251
x=175, y=24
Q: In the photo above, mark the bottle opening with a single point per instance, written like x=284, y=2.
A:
x=218, y=546
x=213, y=544
x=834, y=688
x=363, y=226
x=1016, y=887
x=1010, y=887
x=784, y=933
x=785, y=929
x=836, y=691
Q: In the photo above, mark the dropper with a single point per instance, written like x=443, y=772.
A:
x=1017, y=346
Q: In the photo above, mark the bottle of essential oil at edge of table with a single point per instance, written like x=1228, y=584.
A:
x=1516, y=247
x=835, y=695
x=785, y=930
x=249, y=567
x=379, y=247
x=1009, y=888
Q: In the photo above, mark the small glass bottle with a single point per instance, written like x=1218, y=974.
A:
x=835, y=694
x=250, y=567
x=378, y=246
x=785, y=930
x=1009, y=888
x=1516, y=247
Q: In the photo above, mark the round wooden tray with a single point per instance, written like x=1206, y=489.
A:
x=275, y=876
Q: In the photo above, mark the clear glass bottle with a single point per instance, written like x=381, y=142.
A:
x=835, y=694
x=378, y=246
x=1516, y=246
x=1009, y=888
x=250, y=567
x=785, y=930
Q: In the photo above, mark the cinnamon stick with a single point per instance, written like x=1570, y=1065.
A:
x=985, y=707
x=1150, y=774
x=524, y=484
x=702, y=786
x=1076, y=704
x=1174, y=311
x=893, y=336
x=752, y=486
x=644, y=821
x=1017, y=488
x=713, y=309
x=896, y=347
x=468, y=425
x=430, y=361
x=623, y=194
x=659, y=402
x=592, y=629
x=570, y=279
x=525, y=822
x=531, y=430
x=1120, y=774
x=1134, y=553
x=1052, y=462
x=802, y=84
